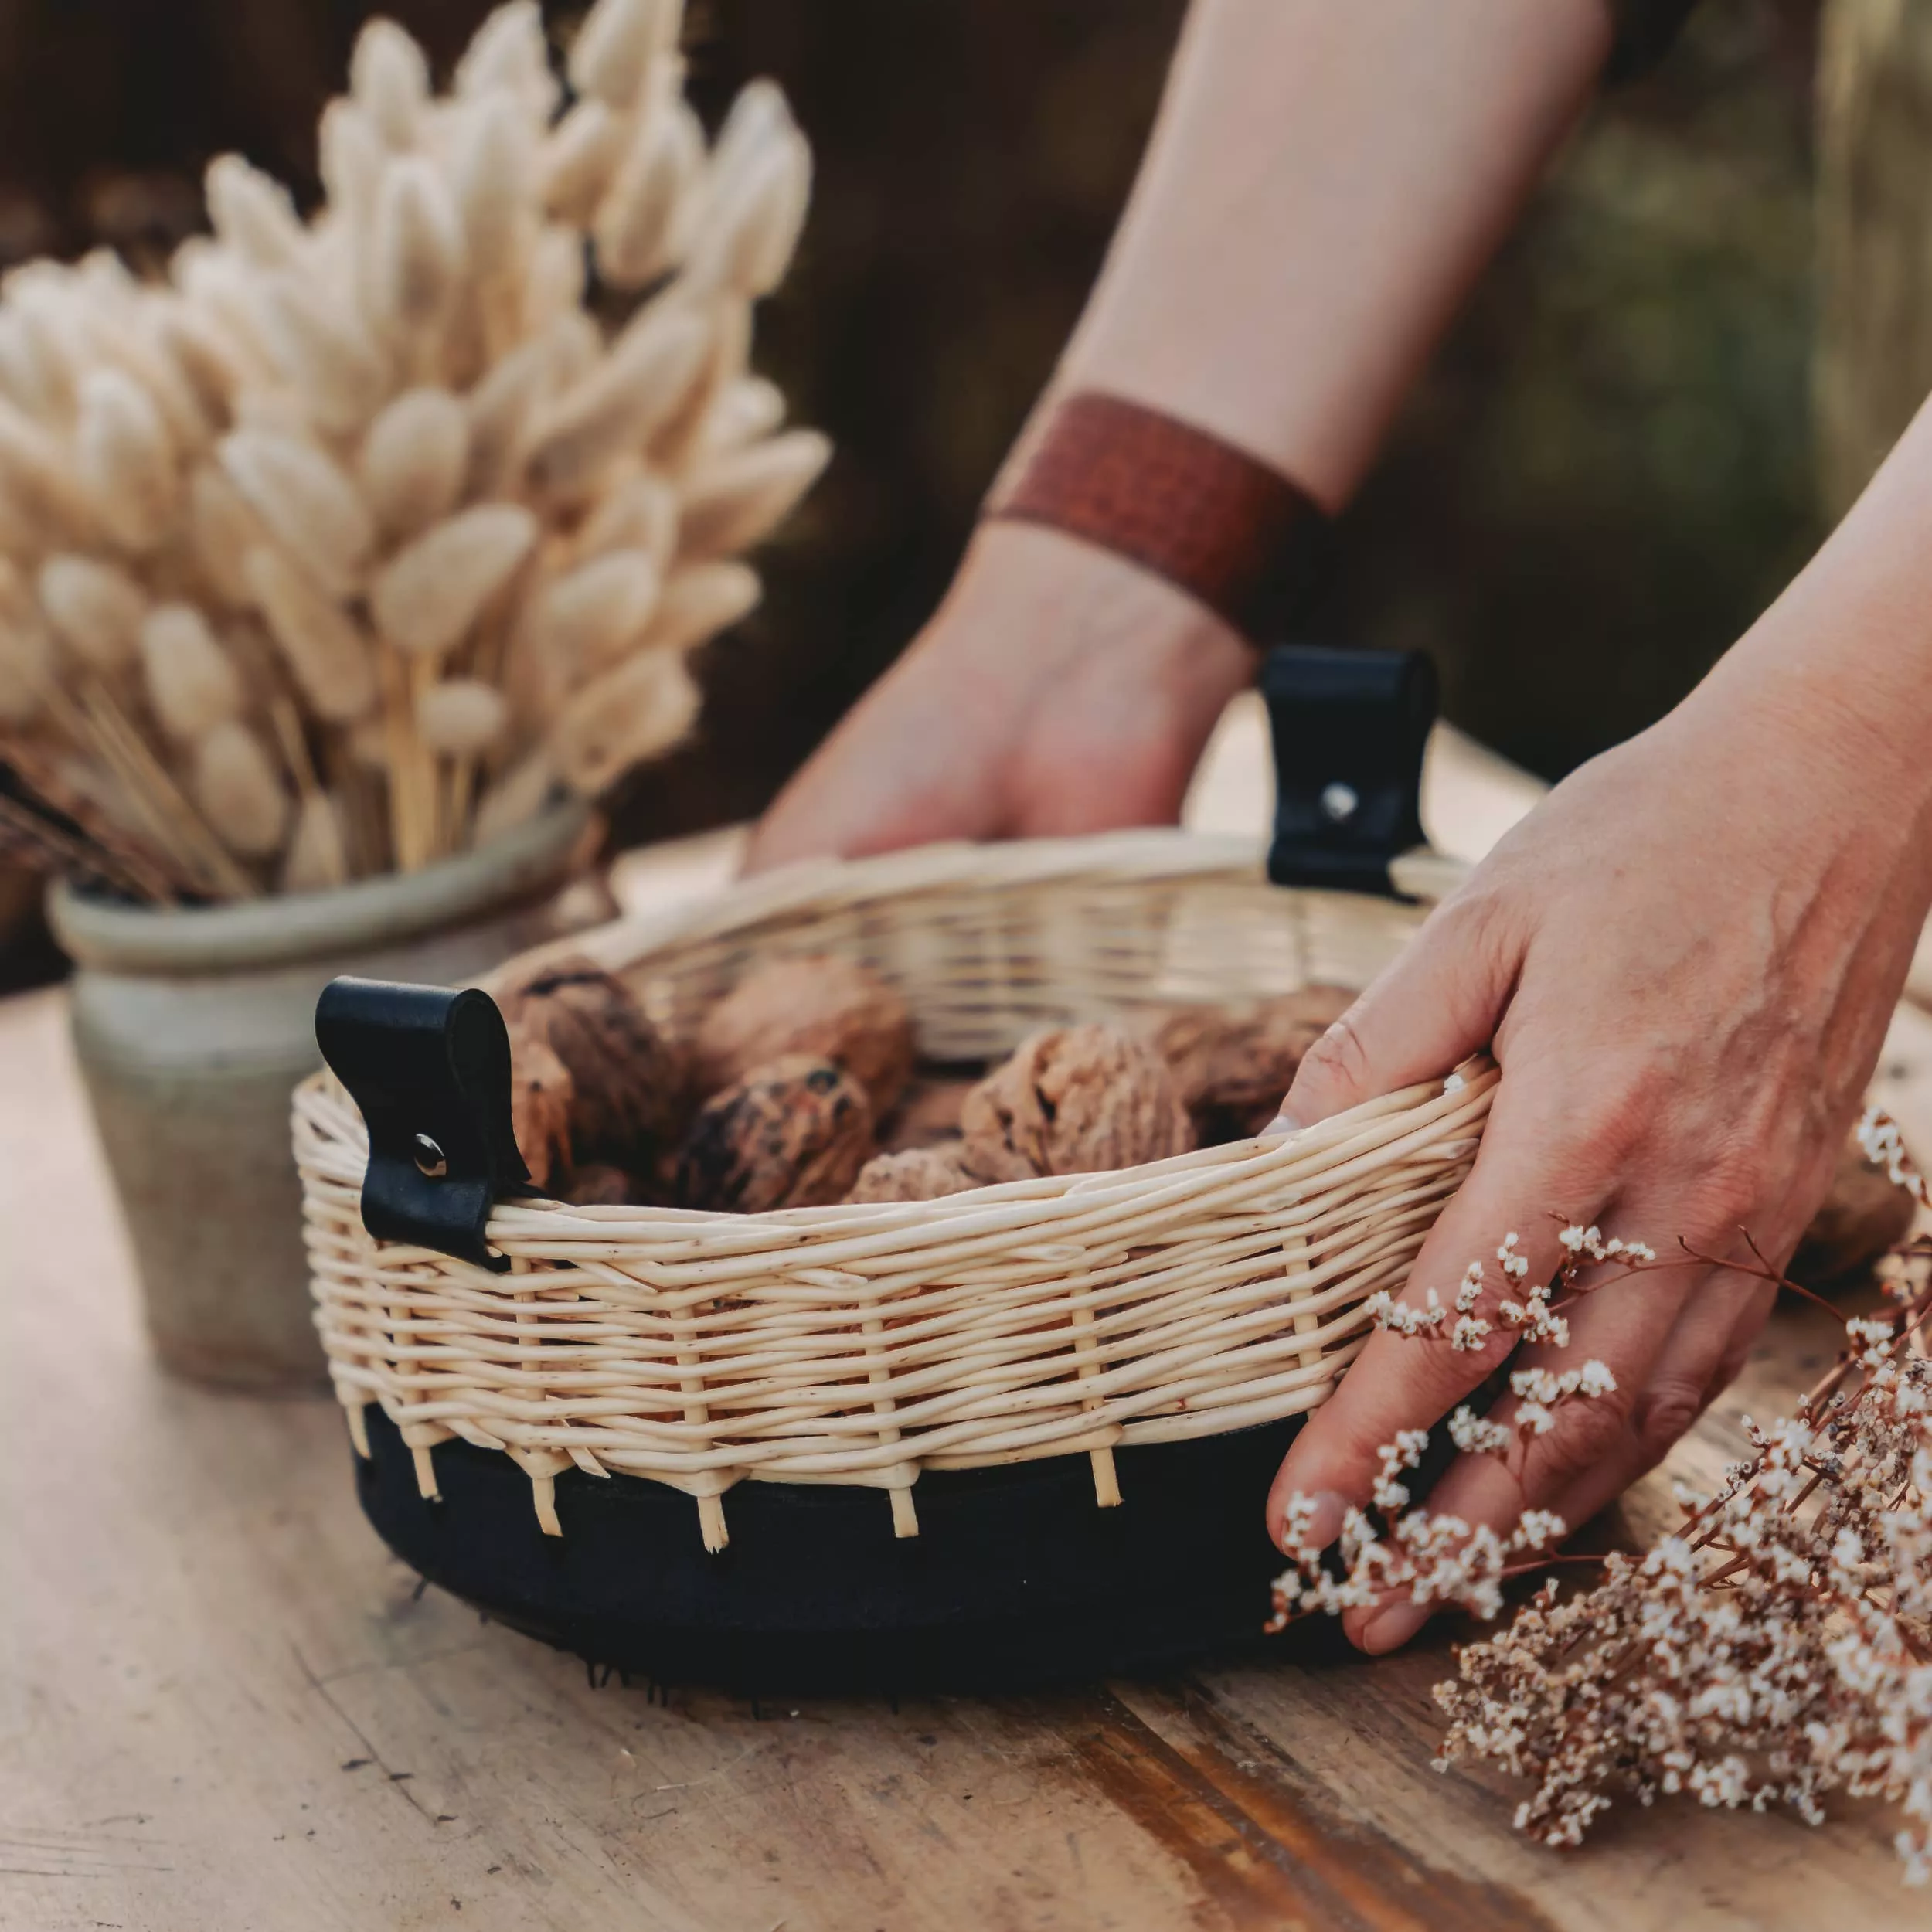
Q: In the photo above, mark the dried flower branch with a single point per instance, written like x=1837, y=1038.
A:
x=379, y=470
x=1775, y=1648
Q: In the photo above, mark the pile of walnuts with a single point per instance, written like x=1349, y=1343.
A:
x=803, y=1087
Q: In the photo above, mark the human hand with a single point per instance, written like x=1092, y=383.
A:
x=1059, y=689
x=1684, y=962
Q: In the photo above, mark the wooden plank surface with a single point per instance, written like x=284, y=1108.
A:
x=223, y=1705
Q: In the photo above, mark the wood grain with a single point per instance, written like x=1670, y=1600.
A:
x=223, y=1705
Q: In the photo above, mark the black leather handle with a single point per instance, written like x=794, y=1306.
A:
x=431, y=1070
x=1350, y=728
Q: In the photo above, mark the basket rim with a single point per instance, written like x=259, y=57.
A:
x=1423, y=875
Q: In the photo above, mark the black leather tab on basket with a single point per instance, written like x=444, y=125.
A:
x=1350, y=728
x=431, y=1070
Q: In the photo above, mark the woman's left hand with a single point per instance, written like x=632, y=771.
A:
x=1685, y=961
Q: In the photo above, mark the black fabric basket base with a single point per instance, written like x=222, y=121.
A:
x=1016, y=1579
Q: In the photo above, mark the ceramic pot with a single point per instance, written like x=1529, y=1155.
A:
x=192, y=1026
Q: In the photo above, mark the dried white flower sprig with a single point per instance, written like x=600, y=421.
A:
x=350, y=544
x=1775, y=1648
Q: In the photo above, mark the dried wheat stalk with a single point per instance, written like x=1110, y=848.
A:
x=361, y=520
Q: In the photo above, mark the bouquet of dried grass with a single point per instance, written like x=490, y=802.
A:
x=1777, y=1648
x=348, y=545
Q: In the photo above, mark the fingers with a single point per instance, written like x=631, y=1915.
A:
x=1437, y=1004
x=1526, y=1174
x=1667, y=1369
x=1678, y=1392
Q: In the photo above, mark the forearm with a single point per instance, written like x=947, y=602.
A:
x=1325, y=179
x=1839, y=668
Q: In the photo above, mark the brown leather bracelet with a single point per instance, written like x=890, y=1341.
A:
x=1236, y=535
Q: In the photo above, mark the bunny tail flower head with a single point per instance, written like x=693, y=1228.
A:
x=358, y=536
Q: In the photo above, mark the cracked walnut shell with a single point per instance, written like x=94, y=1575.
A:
x=913, y=1174
x=1233, y=1065
x=541, y=1093
x=794, y=1133
x=628, y=1085
x=1073, y=1099
x=834, y=1008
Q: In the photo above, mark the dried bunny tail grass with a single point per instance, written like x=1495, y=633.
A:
x=305, y=500
x=38, y=484
x=414, y=459
x=388, y=79
x=744, y=409
x=252, y=214
x=317, y=855
x=613, y=408
x=753, y=220
x=584, y=621
x=191, y=683
x=616, y=46
x=700, y=600
x=426, y=598
x=579, y=156
x=461, y=717
x=222, y=530
x=639, y=512
x=327, y=355
x=240, y=791
x=331, y=660
x=494, y=165
x=418, y=261
x=225, y=294
x=508, y=53
x=213, y=364
x=739, y=498
x=639, y=228
x=95, y=607
x=555, y=280
x=758, y=115
x=641, y=708
x=351, y=155
x=405, y=400
x=501, y=409
x=26, y=665
x=126, y=460
x=34, y=375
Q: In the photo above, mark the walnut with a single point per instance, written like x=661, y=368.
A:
x=834, y=1008
x=600, y=1184
x=794, y=1133
x=913, y=1174
x=629, y=1087
x=541, y=1093
x=929, y=1113
x=1073, y=1099
x=1862, y=1216
x=1232, y=1065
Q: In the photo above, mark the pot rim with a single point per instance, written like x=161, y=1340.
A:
x=283, y=928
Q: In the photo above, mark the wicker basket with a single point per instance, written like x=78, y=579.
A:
x=861, y=1345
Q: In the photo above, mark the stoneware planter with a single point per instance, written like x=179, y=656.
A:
x=191, y=1027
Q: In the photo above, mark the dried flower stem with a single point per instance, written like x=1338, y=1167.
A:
x=1776, y=1648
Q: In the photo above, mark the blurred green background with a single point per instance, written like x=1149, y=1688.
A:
x=1605, y=475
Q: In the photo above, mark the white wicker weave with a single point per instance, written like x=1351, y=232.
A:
x=863, y=1344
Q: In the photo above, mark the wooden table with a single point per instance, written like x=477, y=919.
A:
x=223, y=1705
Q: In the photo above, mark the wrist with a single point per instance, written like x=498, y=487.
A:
x=1042, y=602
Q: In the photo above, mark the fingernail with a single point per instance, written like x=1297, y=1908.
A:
x=1392, y=1627
x=1325, y=1523
x=1283, y=1123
